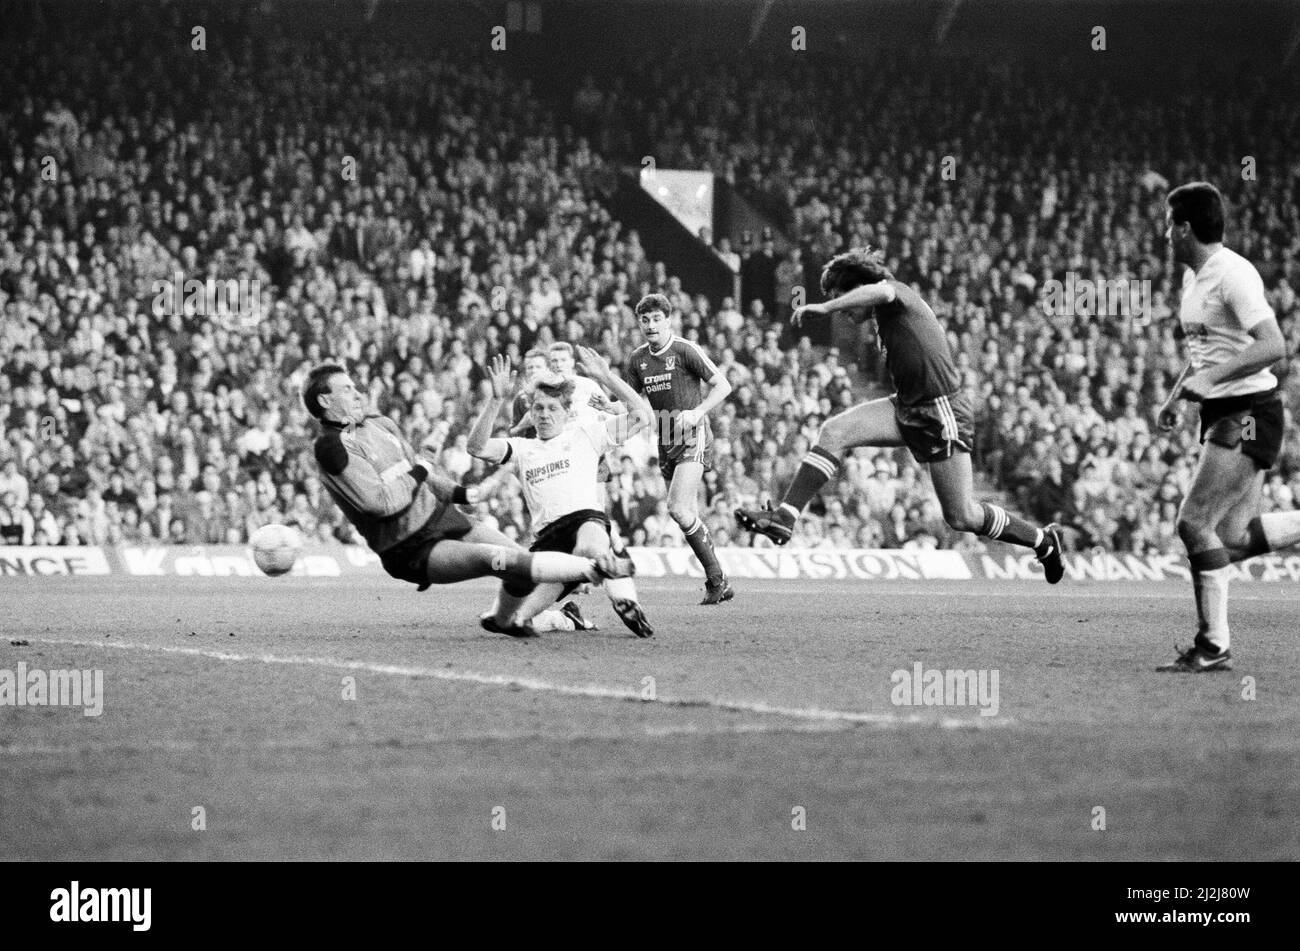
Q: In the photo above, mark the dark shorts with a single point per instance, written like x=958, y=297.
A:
x=408, y=560
x=670, y=457
x=1253, y=423
x=937, y=429
x=562, y=534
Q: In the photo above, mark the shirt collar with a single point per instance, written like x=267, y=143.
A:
x=660, y=353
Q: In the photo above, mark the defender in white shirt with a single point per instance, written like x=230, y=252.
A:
x=1233, y=339
x=558, y=471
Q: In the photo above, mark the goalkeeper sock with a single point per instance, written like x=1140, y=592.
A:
x=817, y=468
x=510, y=595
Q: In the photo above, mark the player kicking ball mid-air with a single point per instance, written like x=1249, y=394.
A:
x=1233, y=339
x=405, y=510
x=683, y=386
x=558, y=471
x=930, y=414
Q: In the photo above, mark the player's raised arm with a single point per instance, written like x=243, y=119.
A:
x=636, y=415
x=481, y=443
x=866, y=295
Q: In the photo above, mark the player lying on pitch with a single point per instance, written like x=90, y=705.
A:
x=558, y=471
x=929, y=413
x=405, y=510
x=1233, y=339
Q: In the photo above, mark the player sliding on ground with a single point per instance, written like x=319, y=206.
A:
x=929, y=413
x=406, y=511
x=558, y=472
x=673, y=374
x=1233, y=339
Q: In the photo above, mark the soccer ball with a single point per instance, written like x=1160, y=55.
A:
x=275, y=548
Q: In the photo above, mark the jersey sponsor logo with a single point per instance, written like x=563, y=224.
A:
x=658, y=382
x=545, y=471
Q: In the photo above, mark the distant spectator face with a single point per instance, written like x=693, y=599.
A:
x=534, y=366
x=562, y=361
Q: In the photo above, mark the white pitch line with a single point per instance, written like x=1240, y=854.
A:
x=597, y=691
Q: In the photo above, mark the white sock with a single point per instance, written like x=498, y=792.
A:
x=620, y=589
x=794, y=512
x=1214, y=605
x=538, y=600
x=552, y=621
x=557, y=566
x=1281, y=529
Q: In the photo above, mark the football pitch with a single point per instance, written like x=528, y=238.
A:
x=296, y=718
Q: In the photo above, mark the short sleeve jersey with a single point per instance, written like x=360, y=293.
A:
x=673, y=379
x=1220, y=304
x=559, y=474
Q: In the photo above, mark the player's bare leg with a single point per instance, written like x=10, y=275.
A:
x=683, y=506
x=954, y=485
x=593, y=542
x=1246, y=533
x=867, y=424
x=484, y=551
x=1224, y=491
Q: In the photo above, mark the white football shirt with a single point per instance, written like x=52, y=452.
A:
x=584, y=389
x=1220, y=304
x=559, y=474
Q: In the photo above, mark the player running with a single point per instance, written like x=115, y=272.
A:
x=929, y=414
x=405, y=511
x=1233, y=339
x=673, y=374
x=558, y=471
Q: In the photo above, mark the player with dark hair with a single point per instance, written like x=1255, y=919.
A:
x=674, y=374
x=1233, y=339
x=536, y=366
x=405, y=510
x=929, y=413
x=558, y=470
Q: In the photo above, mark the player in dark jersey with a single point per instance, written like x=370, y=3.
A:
x=930, y=414
x=683, y=386
x=404, y=509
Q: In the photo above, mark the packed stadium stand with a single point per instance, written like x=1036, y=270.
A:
x=411, y=215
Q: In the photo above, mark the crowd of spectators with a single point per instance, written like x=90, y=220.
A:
x=412, y=214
